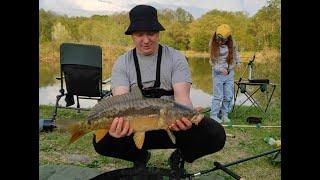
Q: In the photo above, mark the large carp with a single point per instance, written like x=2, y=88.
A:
x=143, y=114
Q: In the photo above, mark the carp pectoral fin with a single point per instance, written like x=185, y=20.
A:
x=171, y=135
x=100, y=133
x=138, y=139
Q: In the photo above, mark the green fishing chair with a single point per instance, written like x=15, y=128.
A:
x=80, y=77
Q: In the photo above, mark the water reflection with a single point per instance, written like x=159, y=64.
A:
x=48, y=73
x=47, y=96
x=201, y=91
x=201, y=74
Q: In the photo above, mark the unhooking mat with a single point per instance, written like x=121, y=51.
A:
x=66, y=172
x=69, y=172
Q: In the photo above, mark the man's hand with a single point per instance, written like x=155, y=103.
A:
x=183, y=123
x=119, y=128
x=224, y=71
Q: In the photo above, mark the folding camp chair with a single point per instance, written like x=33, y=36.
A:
x=259, y=87
x=81, y=71
x=258, y=84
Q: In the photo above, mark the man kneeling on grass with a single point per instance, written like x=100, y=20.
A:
x=141, y=67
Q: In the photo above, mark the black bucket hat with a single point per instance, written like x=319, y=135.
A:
x=143, y=18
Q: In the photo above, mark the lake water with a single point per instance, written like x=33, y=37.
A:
x=201, y=91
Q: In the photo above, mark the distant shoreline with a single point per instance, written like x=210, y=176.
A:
x=53, y=57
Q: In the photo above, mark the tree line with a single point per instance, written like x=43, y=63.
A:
x=183, y=31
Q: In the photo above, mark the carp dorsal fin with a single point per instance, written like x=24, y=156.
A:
x=138, y=138
x=105, y=103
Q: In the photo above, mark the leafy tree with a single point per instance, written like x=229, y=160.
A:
x=182, y=30
x=267, y=25
x=176, y=25
x=46, y=20
x=60, y=32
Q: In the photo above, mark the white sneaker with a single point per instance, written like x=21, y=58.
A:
x=225, y=119
x=216, y=119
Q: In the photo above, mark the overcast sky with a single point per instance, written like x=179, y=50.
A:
x=103, y=7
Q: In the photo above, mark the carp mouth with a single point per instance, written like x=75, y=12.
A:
x=197, y=118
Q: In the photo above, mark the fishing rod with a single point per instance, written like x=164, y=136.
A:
x=224, y=168
x=250, y=66
x=258, y=125
x=250, y=126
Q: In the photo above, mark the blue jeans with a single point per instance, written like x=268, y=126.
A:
x=223, y=93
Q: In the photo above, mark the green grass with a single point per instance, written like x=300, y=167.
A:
x=247, y=142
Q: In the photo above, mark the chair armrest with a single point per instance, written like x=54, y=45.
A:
x=106, y=93
x=59, y=78
x=106, y=81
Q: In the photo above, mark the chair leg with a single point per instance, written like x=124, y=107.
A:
x=235, y=97
x=55, y=112
x=78, y=104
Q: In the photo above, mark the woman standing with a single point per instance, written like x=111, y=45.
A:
x=223, y=57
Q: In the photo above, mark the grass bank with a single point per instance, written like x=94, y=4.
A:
x=247, y=142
